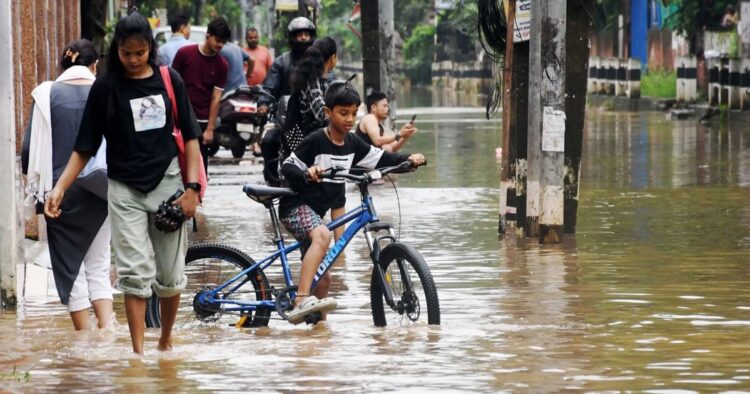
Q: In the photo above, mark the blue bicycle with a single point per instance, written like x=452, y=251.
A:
x=226, y=286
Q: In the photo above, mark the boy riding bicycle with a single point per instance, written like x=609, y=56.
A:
x=331, y=147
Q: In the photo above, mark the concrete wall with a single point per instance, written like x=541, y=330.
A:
x=660, y=52
x=32, y=34
x=604, y=44
x=8, y=213
x=662, y=47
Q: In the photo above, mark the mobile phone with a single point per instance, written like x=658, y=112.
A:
x=413, y=117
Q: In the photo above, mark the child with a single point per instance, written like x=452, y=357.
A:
x=325, y=148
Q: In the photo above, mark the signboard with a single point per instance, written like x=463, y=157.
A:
x=287, y=5
x=522, y=27
x=445, y=4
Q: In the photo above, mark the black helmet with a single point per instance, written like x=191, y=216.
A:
x=301, y=23
x=298, y=24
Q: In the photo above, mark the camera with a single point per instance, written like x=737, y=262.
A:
x=168, y=217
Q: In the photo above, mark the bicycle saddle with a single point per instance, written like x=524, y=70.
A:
x=262, y=193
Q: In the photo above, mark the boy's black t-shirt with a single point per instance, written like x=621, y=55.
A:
x=317, y=150
x=135, y=116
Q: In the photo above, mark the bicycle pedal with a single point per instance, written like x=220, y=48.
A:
x=313, y=318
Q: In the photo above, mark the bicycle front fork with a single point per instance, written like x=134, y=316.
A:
x=374, y=244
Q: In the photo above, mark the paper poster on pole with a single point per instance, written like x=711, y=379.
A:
x=744, y=27
x=553, y=130
x=522, y=26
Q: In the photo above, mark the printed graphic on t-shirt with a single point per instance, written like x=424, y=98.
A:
x=149, y=112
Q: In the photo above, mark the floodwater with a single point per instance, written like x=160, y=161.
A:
x=650, y=295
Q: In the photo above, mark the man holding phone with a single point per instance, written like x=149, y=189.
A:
x=371, y=128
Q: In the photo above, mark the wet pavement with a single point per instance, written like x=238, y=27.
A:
x=650, y=295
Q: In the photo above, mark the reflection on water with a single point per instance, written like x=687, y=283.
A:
x=651, y=295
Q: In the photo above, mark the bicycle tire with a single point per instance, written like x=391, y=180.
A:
x=408, y=311
x=215, y=263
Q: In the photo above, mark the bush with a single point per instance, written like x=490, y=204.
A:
x=659, y=84
x=418, y=52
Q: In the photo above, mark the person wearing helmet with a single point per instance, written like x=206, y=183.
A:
x=301, y=34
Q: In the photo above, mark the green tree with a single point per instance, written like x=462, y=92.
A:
x=229, y=9
x=694, y=16
x=409, y=14
x=333, y=22
x=202, y=11
x=418, y=52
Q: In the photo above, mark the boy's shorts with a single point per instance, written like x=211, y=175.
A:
x=300, y=221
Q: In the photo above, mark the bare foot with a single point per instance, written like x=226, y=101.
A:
x=165, y=346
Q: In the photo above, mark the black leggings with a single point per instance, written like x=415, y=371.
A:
x=204, y=147
x=270, y=146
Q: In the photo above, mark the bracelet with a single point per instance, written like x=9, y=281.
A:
x=398, y=136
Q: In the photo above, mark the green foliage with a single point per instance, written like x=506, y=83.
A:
x=229, y=9
x=695, y=15
x=463, y=18
x=280, y=43
x=409, y=14
x=332, y=22
x=659, y=84
x=18, y=376
x=209, y=9
x=418, y=51
x=606, y=13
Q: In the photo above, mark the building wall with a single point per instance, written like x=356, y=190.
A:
x=603, y=44
x=41, y=29
x=660, y=51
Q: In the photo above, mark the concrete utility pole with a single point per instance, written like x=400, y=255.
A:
x=377, y=48
x=8, y=211
x=546, y=137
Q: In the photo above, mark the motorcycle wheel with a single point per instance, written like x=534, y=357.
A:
x=213, y=148
x=238, y=151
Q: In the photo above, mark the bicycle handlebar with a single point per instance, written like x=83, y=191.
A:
x=369, y=177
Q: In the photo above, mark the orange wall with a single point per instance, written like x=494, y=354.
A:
x=41, y=29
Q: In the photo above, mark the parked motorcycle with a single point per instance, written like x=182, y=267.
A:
x=239, y=123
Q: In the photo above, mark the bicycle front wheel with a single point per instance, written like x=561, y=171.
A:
x=207, y=266
x=411, y=284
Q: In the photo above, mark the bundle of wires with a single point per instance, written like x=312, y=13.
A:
x=492, y=26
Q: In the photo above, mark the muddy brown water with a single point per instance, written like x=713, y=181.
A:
x=650, y=295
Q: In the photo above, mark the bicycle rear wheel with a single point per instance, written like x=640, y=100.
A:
x=207, y=266
x=411, y=284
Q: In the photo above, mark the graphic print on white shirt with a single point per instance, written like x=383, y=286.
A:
x=149, y=112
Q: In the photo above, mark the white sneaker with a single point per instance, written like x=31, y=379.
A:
x=311, y=305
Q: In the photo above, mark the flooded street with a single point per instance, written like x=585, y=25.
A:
x=650, y=295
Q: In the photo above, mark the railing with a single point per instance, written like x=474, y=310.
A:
x=615, y=77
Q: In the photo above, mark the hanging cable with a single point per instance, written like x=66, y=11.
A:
x=492, y=26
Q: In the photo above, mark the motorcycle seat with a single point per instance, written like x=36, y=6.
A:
x=263, y=193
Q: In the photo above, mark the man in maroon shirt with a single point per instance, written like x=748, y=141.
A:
x=204, y=72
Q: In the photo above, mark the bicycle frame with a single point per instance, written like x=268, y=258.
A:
x=361, y=216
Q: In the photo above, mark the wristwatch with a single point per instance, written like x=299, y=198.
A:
x=398, y=136
x=193, y=185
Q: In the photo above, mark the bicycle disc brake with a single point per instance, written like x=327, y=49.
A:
x=409, y=305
